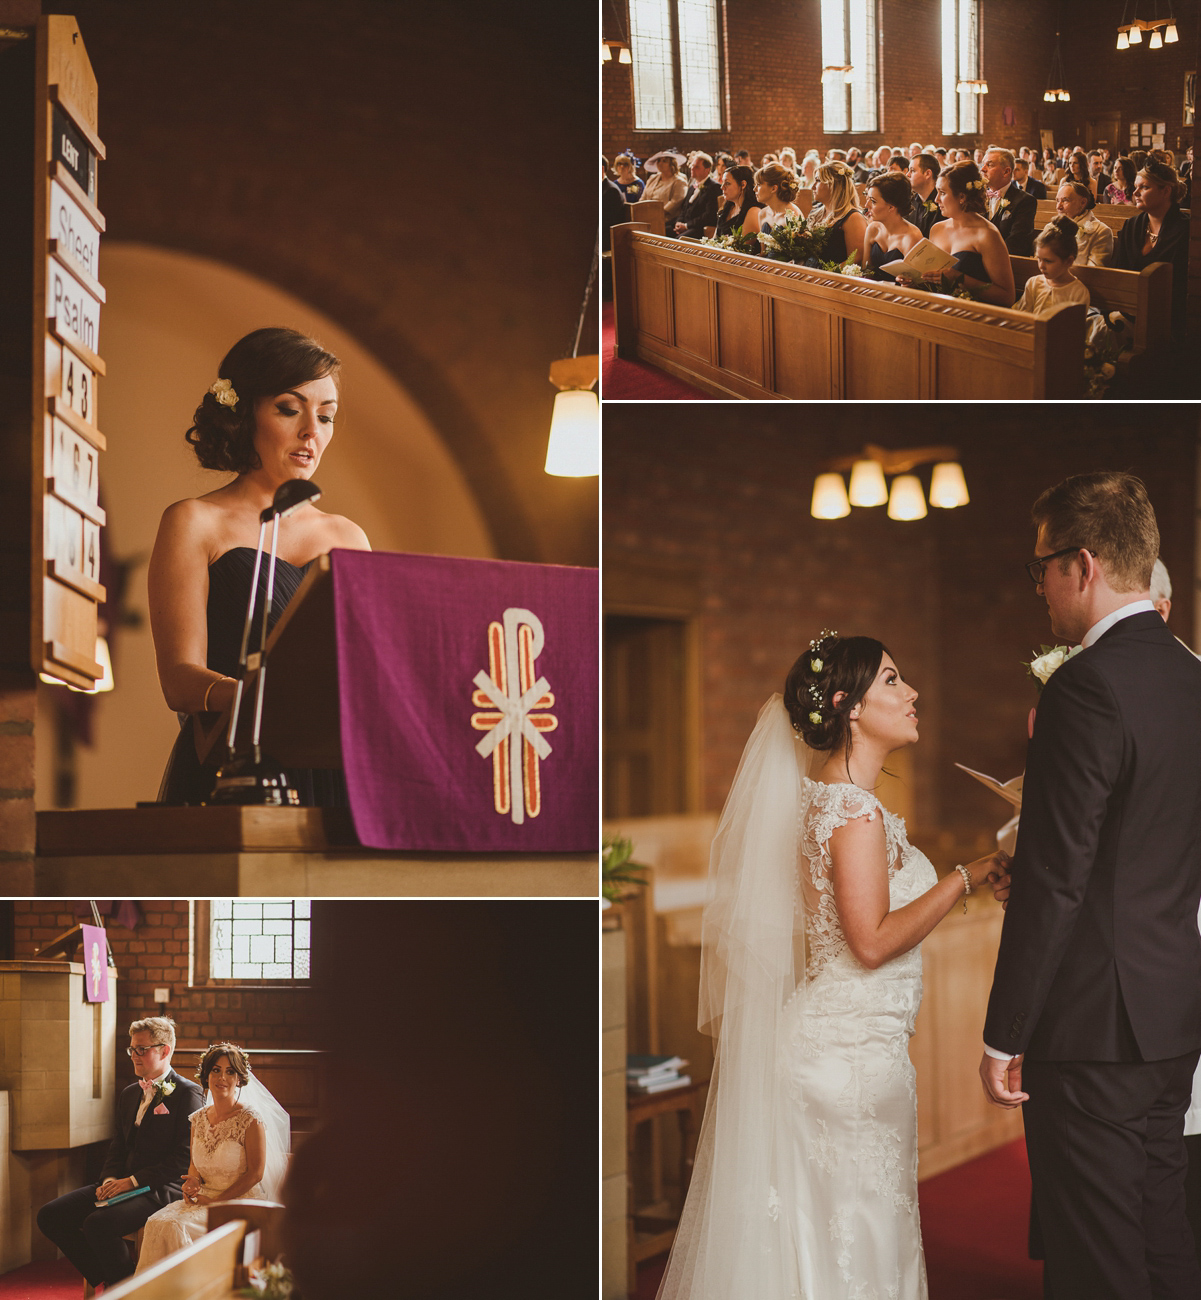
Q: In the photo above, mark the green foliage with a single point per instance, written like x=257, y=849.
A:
x=619, y=876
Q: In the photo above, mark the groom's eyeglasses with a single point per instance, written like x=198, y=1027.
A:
x=1037, y=569
x=141, y=1051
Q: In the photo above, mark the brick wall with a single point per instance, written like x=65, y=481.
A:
x=156, y=954
x=726, y=496
x=774, y=69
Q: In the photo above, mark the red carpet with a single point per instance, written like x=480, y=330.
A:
x=974, y=1221
x=635, y=380
x=58, y=1281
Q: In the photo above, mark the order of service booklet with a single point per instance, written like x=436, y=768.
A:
x=922, y=257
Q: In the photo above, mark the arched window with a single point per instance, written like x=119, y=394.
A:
x=850, y=91
x=677, y=80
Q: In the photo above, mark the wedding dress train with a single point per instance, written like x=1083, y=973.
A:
x=805, y=1181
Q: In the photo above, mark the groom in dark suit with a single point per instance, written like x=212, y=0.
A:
x=152, y=1148
x=1095, y=1008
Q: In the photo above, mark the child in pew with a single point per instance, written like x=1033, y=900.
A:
x=1055, y=252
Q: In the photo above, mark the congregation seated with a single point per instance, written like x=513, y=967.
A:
x=699, y=208
x=1026, y=181
x=738, y=190
x=627, y=180
x=1094, y=237
x=1158, y=232
x=1055, y=251
x=889, y=234
x=1010, y=208
x=666, y=186
x=983, y=266
x=923, y=177
x=1121, y=188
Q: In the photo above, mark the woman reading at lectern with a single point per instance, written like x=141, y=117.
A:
x=268, y=418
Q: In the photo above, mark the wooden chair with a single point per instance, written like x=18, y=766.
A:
x=204, y=1270
x=265, y=1216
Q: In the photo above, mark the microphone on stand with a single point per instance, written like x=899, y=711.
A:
x=247, y=778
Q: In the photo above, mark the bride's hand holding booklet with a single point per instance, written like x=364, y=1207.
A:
x=922, y=257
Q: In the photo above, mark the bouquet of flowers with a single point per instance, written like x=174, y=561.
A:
x=1106, y=340
x=849, y=267
x=735, y=241
x=795, y=239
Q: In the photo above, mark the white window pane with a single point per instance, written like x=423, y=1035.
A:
x=302, y=927
x=277, y=972
x=277, y=927
x=262, y=947
x=834, y=55
x=301, y=966
x=283, y=948
x=220, y=907
x=969, y=64
x=241, y=944
x=277, y=910
x=862, y=46
x=246, y=927
x=950, y=68
x=244, y=909
x=219, y=964
x=700, y=88
x=301, y=906
x=650, y=48
x=243, y=971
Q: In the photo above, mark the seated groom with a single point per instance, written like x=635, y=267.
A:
x=1010, y=208
x=152, y=1148
x=700, y=203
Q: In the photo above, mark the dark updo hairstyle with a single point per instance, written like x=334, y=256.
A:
x=236, y=1057
x=895, y=189
x=785, y=181
x=1081, y=192
x=843, y=663
x=263, y=364
x=965, y=182
x=1059, y=236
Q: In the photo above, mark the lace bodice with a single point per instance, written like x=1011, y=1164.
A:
x=824, y=808
x=219, y=1150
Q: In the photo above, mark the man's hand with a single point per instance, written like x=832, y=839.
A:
x=1003, y=1081
x=1000, y=888
x=681, y=226
x=114, y=1187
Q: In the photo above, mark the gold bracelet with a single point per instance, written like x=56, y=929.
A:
x=210, y=690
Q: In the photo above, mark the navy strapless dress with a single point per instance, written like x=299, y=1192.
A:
x=185, y=781
x=971, y=263
x=878, y=257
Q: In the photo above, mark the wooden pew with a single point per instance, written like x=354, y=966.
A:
x=203, y=1271
x=265, y=1217
x=742, y=326
x=651, y=214
x=1144, y=296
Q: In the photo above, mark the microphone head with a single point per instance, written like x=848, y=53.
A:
x=290, y=496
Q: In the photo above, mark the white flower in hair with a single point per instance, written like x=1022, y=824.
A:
x=223, y=391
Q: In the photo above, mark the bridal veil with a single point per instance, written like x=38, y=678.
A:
x=733, y=1240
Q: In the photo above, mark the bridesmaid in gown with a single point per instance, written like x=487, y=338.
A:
x=841, y=216
x=972, y=240
x=268, y=418
x=889, y=235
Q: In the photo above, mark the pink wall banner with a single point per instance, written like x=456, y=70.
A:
x=95, y=963
x=469, y=696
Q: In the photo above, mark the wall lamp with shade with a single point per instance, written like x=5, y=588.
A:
x=868, y=487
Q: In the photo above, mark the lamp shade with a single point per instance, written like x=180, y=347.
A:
x=906, y=500
x=1156, y=40
x=1123, y=39
x=624, y=56
x=1171, y=36
x=947, y=486
x=606, y=53
x=574, y=447
x=867, y=484
x=829, y=497
x=1136, y=36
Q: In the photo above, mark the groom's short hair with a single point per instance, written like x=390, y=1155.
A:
x=160, y=1028
x=1108, y=513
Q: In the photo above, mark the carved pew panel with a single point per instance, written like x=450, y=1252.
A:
x=743, y=326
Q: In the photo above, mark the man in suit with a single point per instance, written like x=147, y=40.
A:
x=923, y=207
x=1101, y=178
x=152, y=1148
x=1024, y=181
x=700, y=203
x=1010, y=209
x=1096, y=1001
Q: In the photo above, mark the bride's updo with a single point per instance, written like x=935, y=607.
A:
x=265, y=363
x=832, y=663
x=236, y=1057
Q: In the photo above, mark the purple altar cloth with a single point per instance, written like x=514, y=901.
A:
x=424, y=681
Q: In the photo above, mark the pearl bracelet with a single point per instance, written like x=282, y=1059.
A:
x=967, y=885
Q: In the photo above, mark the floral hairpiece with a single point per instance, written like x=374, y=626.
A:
x=975, y=185
x=816, y=665
x=223, y=391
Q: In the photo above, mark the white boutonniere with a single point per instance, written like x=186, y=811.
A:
x=167, y=1088
x=1002, y=204
x=1051, y=658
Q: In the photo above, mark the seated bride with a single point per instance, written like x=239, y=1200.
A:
x=240, y=1141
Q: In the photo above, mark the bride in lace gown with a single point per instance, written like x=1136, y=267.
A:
x=805, y=1180
x=239, y=1150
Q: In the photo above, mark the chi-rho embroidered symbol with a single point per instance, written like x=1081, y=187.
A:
x=514, y=705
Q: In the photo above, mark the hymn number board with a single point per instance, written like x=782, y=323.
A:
x=69, y=302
